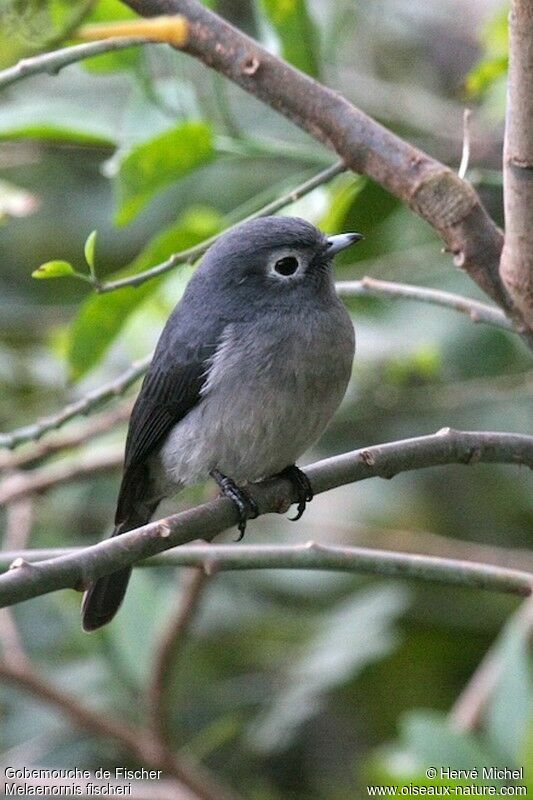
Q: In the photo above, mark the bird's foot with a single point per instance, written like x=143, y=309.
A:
x=302, y=485
x=246, y=505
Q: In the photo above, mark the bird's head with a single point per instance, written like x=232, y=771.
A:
x=278, y=257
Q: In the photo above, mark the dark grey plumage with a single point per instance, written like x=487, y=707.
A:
x=249, y=369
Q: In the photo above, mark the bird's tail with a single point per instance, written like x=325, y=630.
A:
x=104, y=597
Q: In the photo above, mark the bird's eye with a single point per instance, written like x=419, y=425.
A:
x=286, y=266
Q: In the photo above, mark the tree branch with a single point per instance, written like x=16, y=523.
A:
x=517, y=257
x=478, y=312
x=431, y=189
x=54, y=62
x=22, y=484
x=25, y=580
x=109, y=37
x=213, y=558
x=192, y=253
x=82, y=406
x=99, y=424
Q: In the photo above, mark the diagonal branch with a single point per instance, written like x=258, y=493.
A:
x=24, y=580
x=23, y=484
x=54, y=62
x=84, y=405
x=431, y=189
x=67, y=440
x=517, y=258
x=192, y=253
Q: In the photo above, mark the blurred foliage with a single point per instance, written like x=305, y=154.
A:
x=488, y=78
x=152, y=165
x=30, y=26
x=294, y=685
x=297, y=33
x=102, y=317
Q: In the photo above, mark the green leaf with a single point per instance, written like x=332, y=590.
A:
x=102, y=317
x=56, y=120
x=344, y=193
x=494, y=61
x=90, y=244
x=54, y=269
x=297, y=33
x=358, y=204
x=29, y=27
x=155, y=164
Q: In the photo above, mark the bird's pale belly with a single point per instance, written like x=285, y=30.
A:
x=260, y=429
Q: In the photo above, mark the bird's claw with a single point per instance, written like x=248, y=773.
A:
x=302, y=486
x=246, y=505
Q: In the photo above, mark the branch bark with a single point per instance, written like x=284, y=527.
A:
x=212, y=559
x=517, y=257
x=192, y=253
x=25, y=580
x=97, y=425
x=24, y=484
x=84, y=405
x=430, y=188
x=54, y=62
x=478, y=312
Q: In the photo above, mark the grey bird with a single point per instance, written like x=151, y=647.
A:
x=249, y=369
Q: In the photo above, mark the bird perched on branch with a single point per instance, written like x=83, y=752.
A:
x=249, y=369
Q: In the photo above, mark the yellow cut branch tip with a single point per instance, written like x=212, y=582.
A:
x=173, y=30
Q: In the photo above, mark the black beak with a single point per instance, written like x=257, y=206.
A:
x=341, y=241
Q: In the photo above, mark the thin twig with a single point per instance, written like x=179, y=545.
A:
x=25, y=580
x=465, y=156
x=52, y=63
x=468, y=709
x=170, y=648
x=192, y=253
x=478, y=312
x=138, y=741
x=84, y=405
x=24, y=484
x=397, y=541
x=100, y=423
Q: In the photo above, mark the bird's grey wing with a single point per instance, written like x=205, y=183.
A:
x=170, y=389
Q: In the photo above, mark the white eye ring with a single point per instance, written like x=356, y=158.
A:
x=285, y=266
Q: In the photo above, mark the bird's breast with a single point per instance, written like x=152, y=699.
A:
x=272, y=387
